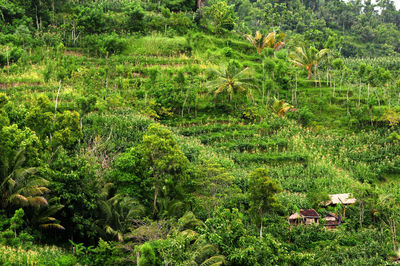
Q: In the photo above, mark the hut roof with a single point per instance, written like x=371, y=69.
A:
x=331, y=214
x=294, y=216
x=332, y=219
x=345, y=198
x=310, y=213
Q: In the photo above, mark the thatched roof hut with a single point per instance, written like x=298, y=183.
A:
x=344, y=199
x=332, y=220
x=306, y=216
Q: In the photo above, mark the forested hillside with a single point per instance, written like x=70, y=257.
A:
x=219, y=132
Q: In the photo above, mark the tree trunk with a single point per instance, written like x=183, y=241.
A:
x=392, y=225
x=58, y=93
x=327, y=76
x=361, y=205
x=184, y=102
x=295, y=91
x=155, y=198
x=8, y=61
x=198, y=4
x=37, y=18
x=347, y=99
x=263, y=80
x=319, y=79
x=261, y=226
x=359, y=95
x=377, y=97
x=370, y=110
x=53, y=8
x=334, y=87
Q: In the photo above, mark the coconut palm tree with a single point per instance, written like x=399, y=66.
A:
x=18, y=184
x=199, y=250
x=116, y=211
x=308, y=58
x=43, y=217
x=231, y=81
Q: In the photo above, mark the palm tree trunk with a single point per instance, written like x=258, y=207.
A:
x=334, y=87
x=58, y=93
x=377, y=97
x=309, y=74
x=155, y=198
x=327, y=76
x=295, y=91
x=359, y=95
x=361, y=209
x=347, y=99
x=184, y=102
x=263, y=80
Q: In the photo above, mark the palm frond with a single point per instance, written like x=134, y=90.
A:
x=214, y=261
x=18, y=198
x=52, y=225
x=37, y=201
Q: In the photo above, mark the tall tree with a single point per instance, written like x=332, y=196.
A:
x=167, y=164
x=231, y=81
x=388, y=209
x=262, y=190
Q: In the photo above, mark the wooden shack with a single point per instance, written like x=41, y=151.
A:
x=332, y=220
x=343, y=199
x=308, y=216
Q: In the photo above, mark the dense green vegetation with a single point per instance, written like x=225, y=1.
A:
x=180, y=132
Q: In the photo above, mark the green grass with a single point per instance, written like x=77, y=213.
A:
x=156, y=45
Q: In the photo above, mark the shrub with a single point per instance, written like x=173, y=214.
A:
x=135, y=14
x=305, y=116
x=10, y=54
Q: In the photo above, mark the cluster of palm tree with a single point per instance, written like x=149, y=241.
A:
x=116, y=212
x=233, y=81
x=20, y=186
x=260, y=42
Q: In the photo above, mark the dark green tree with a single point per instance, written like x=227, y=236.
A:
x=167, y=164
x=262, y=190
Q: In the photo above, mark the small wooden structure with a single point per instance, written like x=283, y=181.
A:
x=332, y=220
x=308, y=216
x=344, y=199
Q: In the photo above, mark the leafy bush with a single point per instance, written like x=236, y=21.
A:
x=105, y=45
x=10, y=54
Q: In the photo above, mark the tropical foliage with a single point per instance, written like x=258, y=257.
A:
x=181, y=132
